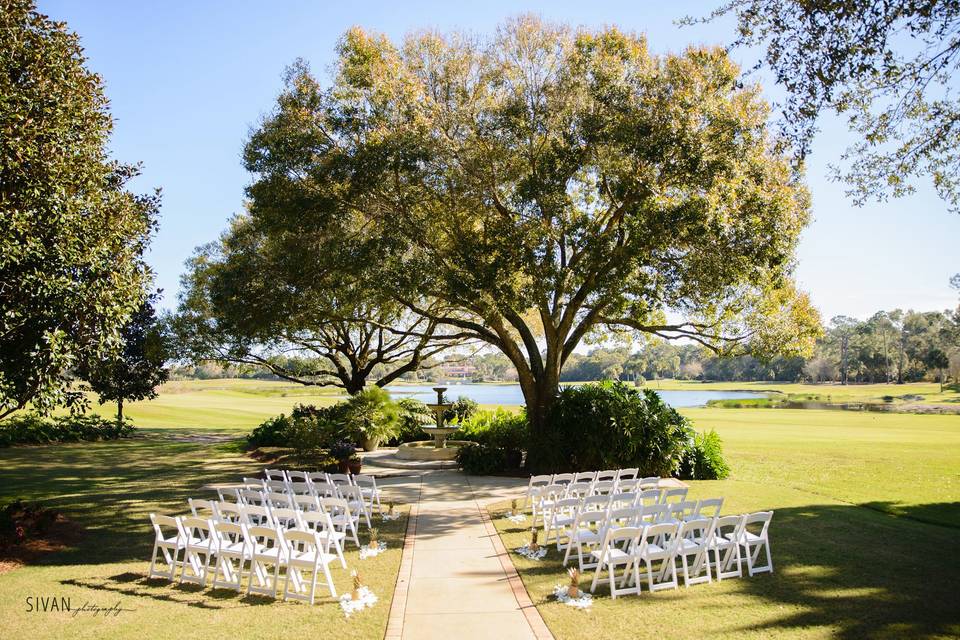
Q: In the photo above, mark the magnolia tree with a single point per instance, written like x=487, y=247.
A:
x=543, y=187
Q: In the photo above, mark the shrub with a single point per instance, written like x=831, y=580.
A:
x=479, y=459
x=371, y=417
x=461, y=410
x=35, y=429
x=304, y=436
x=500, y=431
x=342, y=450
x=412, y=415
x=271, y=433
x=611, y=425
x=703, y=459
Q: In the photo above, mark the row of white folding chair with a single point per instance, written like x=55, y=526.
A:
x=618, y=509
x=309, y=511
x=691, y=543
x=353, y=495
x=234, y=545
x=319, y=482
x=626, y=478
x=547, y=499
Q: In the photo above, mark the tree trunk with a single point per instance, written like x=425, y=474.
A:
x=539, y=397
x=120, y=410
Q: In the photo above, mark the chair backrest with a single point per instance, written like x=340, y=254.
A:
x=623, y=537
x=297, y=476
x=299, y=488
x=562, y=478
x=228, y=495
x=338, y=479
x=603, y=487
x=622, y=500
x=316, y=476
x=648, y=497
x=196, y=530
x=758, y=523
x=276, y=486
x=274, y=474
x=301, y=541
x=577, y=490
x=628, y=474
x=595, y=503
x=306, y=503
x=255, y=483
x=252, y=497
x=228, y=533
x=256, y=516
x=709, y=508
x=336, y=506
x=674, y=495
x=700, y=529
x=261, y=538
x=685, y=510
x=315, y=520
x=594, y=520
x=284, y=517
x=539, y=481
x=650, y=482
x=363, y=480
x=165, y=526
x=552, y=492
x=229, y=512
x=585, y=476
x=729, y=527
x=203, y=508
x=628, y=484
x=279, y=500
x=325, y=490
x=654, y=513
x=566, y=506
x=664, y=535
x=624, y=517
x=606, y=474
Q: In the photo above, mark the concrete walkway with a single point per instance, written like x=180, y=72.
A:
x=456, y=580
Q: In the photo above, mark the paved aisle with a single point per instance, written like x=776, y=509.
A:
x=457, y=587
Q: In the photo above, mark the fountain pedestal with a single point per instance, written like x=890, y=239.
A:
x=438, y=448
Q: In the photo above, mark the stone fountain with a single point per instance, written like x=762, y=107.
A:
x=440, y=448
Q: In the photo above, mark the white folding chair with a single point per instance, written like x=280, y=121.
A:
x=233, y=552
x=654, y=514
x=680, y=511
x=621, y=500
x=339, y=479
x=276, y=486
x=354, y=496
x=275, y=474
x=371, y=494
x=595, y=503
x=709, y=508
x=256, y=516
x=169, y=541
x=584, y=476
x=725, y=546
x=543, y=499
x=659, y=543
x=625, y=485
x=755, y=542
x=284, y=517
x=198, y=550
x=650, y=482
x=297, y=476
x=562, y=478
x=603, y=487
x=586, y=534
x=536, y=482
x=229, y=512
x=324, y=489
x=306, y=503
x=692, y=549
x=320, y=522
x=295, y=488
x=673, y=495
x=558, y=518
x=305, y=554
x=203, y=508
x=648, y=498
x=251, y=497
x=628, y=474
x=343, y=518
x=276, y=500
x=605, y=475
x=617, y=550
x=267, y=556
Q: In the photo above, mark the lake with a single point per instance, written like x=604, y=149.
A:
x=511, y=394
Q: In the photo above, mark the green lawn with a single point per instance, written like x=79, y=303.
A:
x=110, y=488
x=856, y=552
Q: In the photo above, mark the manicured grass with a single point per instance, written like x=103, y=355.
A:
x=856, y=552
x=930, y=391
x=110, y=489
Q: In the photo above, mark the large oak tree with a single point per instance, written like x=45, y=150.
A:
x=547, y=185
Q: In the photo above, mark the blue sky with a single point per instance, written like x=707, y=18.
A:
x=187, y=81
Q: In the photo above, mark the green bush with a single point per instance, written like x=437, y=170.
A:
x=461, y=410
x=496, y=431
x=612, y=425
x=703, y=459
x=478, y=459
x=271, y=433
x=35, y=429
x=412, y=415
x=305, y=437
x=371, y=417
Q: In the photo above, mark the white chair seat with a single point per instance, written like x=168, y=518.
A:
x=614, y=555
x=309, y=558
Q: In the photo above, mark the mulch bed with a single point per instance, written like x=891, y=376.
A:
x=29, y=531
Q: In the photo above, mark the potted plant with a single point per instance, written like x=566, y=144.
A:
x=373, y=417
x=354, y=464
x=343, y=451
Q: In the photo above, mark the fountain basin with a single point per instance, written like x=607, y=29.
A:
x=427, y=450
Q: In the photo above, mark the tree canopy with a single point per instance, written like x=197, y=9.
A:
x=545, y=185
x=71, y=236
x=888, y=67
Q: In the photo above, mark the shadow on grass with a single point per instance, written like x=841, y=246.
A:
x=853, y=571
